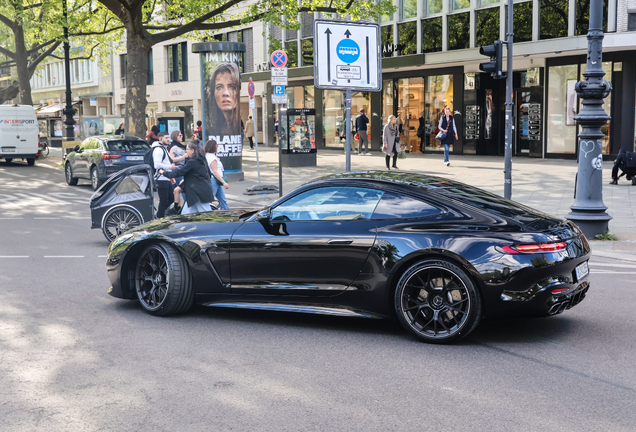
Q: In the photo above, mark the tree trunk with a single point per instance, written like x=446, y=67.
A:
x=138, y=48
x=22, y=66
x=8, y=93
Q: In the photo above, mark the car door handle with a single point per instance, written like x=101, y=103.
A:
x=340, y=241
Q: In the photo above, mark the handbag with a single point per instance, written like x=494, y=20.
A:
x=397, y=139
x=441, y=135
x=220, y=183
x=356, y=136
x=420, y=133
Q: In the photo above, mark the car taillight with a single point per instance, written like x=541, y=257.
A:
x=535, y=248
x=106, y=156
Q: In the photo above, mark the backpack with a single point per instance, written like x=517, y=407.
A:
x=630, y=159
x=148, y=159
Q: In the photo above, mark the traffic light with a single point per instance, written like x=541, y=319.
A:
x=494, y=65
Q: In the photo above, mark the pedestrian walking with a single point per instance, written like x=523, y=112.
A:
x=178, y=155
x=120, y=130
x=153, y=135
x=196, y=180
x=361, y=129
x=391, y=140
x=217, y=181
x=447, y=125
x=249, y=131
x=198, y=132
x=421, y=132
x=162, y=163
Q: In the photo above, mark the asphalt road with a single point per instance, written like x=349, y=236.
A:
x=73, y=358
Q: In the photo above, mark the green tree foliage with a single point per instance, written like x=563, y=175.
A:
x=487, y=26
x=149, y=22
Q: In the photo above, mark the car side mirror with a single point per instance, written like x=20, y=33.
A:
x=76, y=148
x=264, y=215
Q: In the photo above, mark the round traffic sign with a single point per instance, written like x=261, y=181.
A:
x=250, y=89
x=348, y=50
x=279, y=58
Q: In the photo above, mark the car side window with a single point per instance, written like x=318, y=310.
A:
x=85, y=145
x=394, y=206
x=329, y=203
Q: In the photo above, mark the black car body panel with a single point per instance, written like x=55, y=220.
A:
x=354, y=264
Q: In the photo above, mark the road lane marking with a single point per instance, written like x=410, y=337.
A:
x=14, y=174
x=11, y=218
x=611, y=272
x=613, y=265
x=42, y=218
x=15, y=256
x=102, y=256
x=63, y=256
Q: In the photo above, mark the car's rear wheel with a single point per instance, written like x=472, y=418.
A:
x=118, y=220
x=95, y=182
x=162, y=281
x=436, y=301
x=8, y=160
x=31, y=161
x=68, y=174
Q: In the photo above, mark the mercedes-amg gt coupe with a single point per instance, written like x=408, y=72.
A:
x=436, y=254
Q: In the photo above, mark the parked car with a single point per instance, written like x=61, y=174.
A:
x=19, y=133
x=436, y=254
x=99, y=157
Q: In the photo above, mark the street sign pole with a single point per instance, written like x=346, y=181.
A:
x=280, y=153
x=279, y=61
x=509, y=110
x=250, y=91
x=348, y=129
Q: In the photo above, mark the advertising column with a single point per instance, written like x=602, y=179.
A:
x=221, y=101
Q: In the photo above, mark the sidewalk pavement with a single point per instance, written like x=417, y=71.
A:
x=544, y=184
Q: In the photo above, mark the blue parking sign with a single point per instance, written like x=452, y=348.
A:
x=279, y=90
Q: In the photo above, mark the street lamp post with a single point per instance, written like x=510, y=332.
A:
x=588, y=210
x=69, y=112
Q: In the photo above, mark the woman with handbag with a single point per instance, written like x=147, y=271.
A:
x=391, y=140
x=448, y=132
x=196, y=180
x=218, y=180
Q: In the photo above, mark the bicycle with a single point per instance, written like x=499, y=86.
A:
x=43, y=150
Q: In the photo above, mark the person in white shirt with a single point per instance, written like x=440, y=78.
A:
x=161, y=160
x=218, y=181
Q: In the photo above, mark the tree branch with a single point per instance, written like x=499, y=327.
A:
x=95, y=33
x=84, y=57
x=35, y=62
x=6, y=21
x=38, y=47
x=7, y=53
x=33, y=6
x=6, y=64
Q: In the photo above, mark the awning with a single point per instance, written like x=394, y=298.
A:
x=50, y=109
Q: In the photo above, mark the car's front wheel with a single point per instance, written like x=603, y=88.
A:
x=436, y=301
x=162, y=281
x=95, y=181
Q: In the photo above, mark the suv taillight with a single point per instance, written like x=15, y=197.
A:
x=107, y=156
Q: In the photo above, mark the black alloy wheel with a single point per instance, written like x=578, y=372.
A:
x=162, y=281
x=118, y=220
x=437, y=302
x=68, y=174
x=95, y=183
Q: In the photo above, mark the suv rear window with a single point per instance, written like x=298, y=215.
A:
x=126, y=146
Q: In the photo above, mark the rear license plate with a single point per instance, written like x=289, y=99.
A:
x=581, y=270
x=7, y=150
x=134, y=158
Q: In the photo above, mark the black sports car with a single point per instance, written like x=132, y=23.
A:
x=437, y=254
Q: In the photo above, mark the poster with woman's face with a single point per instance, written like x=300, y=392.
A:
x=222, y=89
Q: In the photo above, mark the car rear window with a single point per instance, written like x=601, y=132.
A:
x=126, y=146
x=393, y=206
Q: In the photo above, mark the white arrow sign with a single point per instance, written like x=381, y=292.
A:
x=347, y=56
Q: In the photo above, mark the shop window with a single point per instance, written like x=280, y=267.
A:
x=301, y=97
x=631, y=21
x=386, y=36
x=291, y=48
x=460, y=4
x=409, y=9
x=177, y=62
x=561, y=109
x=522, y=21
x=410, y=109
x=458, y=31
x=487, y=26
x=438, y=95
x=433, y=6
x=387, y=100
x=432, y=35
x=407, y=35
x=583, y=16
x=308, y=52
x=553, y=22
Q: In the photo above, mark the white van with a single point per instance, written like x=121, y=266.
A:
x=18, y=133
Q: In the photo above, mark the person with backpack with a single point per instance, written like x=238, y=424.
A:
x=161, y=161
x=361, y=129
x=196, y=180
x=447, y=126
x=626, y=162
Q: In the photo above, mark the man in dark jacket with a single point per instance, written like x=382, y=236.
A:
x=361, y=129
x=626, y=162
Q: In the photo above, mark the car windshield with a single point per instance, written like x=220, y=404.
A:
x=127, y=146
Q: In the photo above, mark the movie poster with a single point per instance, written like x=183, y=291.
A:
x=222, y=91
